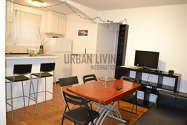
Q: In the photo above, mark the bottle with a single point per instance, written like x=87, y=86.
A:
x=41, y=50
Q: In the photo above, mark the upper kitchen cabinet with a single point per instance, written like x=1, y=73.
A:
x=56, y=23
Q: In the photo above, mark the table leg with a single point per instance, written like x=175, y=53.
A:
x=109, y=111
x=116, y=111
x=101, y=112
x=101, y=117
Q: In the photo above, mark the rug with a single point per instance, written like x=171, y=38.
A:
x=125, y=109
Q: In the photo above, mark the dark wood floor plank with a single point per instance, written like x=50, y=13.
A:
x=50, y=113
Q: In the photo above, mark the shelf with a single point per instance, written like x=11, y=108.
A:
x=154, y=85
x=149, y=87
x=148, y=83
x=166, y=87
x=151, y=71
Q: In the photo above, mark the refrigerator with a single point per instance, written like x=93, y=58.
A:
x=60, y=47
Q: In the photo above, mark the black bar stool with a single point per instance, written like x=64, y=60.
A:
x=19, y=75
x=45, y=71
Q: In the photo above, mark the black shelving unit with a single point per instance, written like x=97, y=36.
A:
x=122, y=44
x=149, y=87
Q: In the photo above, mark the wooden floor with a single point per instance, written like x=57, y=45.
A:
x=50, y=113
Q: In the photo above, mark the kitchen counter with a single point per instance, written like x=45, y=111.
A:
x=13, y=59
x=26, y=56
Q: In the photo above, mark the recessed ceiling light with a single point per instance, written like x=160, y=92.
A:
x=38, y=3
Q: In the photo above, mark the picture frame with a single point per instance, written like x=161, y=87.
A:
x=82, y=32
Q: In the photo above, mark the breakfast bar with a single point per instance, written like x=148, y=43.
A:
x=35, y=61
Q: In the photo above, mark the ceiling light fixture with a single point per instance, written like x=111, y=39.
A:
x=38, y=3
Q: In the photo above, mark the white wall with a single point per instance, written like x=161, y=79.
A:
x=101, y=39
x=161, y=29
x=2, y=63
x=75, y=23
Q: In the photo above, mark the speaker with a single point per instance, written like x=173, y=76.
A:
x=122, y=45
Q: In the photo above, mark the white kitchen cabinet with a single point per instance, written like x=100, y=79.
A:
x=56, y=23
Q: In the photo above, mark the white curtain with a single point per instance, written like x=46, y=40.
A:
x=27, y=28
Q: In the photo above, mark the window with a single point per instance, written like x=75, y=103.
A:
x=27, y=28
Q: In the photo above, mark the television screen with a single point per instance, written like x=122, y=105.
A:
x=146, y=59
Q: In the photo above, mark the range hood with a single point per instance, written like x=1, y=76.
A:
x=54, y=35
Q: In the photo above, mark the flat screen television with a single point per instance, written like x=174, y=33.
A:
x=147, y=59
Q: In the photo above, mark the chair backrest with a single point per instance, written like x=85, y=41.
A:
x=21, y=69
x=90, y=77
x=47, y=67
x=76, y=100
x=68, y=81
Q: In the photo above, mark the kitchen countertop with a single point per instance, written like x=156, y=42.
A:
x=36, y=61
x=26, y=56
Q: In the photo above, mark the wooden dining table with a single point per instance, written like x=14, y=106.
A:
x=106, y=94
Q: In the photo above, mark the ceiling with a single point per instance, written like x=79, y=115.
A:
x=122, y=4
x=59, y=6
x=54, y=5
